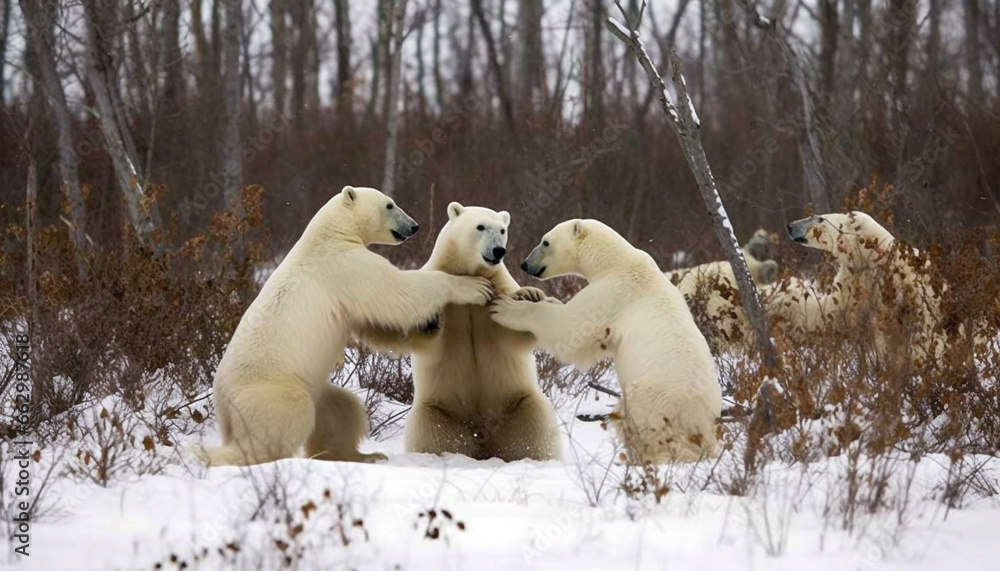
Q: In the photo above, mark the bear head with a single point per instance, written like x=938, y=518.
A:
x=855, y=239
x=574, y=247
x=474, y=240
x=373, y=216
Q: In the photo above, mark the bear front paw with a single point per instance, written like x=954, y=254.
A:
x=472, y=290
x=532, y=294
x=511, y=313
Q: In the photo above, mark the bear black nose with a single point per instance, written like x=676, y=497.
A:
x=498, y=253
x=524, y=266
x=789, y=228
x=414, y=228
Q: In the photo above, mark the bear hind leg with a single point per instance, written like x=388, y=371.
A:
x=432, y=430
x=527, y=429
x=267, y=420
x=341, y=423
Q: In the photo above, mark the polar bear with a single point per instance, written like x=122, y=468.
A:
x=630, y=312
x=712, y=293
x=475, y=383
x=880, y=283
x=272, y=390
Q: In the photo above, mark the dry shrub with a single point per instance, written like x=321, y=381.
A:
x=144, y=325
x=868, y=385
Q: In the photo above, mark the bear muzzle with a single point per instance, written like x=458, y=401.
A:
x=797, y=230
x=403, y=233
x=498, y=253
x=535, y=271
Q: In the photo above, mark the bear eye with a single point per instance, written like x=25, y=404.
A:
x=480, y=227
x=389, y=206
x=545, y=243
x=503, y=231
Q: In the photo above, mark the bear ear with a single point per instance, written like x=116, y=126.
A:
x=505, y=216
x=454, y=210
x=350, y=195
x=579, y=229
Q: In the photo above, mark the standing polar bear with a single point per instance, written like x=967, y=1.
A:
x=272, y=390
x=475, y=383
x=632, y=313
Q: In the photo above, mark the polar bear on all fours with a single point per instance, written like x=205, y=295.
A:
x=475, y=382
x=631, y=312
x=272, y=390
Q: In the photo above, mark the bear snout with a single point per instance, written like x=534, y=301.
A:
x=414, y=228
x=797, y=232
x=499, y=252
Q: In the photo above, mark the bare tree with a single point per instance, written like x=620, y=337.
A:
x=380, y=51
x=232, y=162
x=687, y=127
x=829, y=34
x=173, y=57
x=809, y=149
x=101, y=77
x=397, y=13
x=595, y=83
x=4, y=40
x=530, y=58
x=439, y=94
x=345, y=81
x=279, y=50
x=498, y=75
x=302, y=59
x=40, y=17
x=973, y=52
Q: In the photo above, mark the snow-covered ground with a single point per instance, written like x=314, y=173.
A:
x=423, y=512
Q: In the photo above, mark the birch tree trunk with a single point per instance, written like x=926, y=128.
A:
x=142, y=213
x=39, y=17
x=687, y=127
x=397, y=12
x=232, y=160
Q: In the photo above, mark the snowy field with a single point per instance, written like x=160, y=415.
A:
x=423, y=512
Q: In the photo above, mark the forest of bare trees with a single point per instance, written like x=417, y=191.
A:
x=142, y=115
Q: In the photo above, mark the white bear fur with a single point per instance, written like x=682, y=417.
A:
x=724, y=322
x=475, y=382
x=272, y=390
x=630, y=312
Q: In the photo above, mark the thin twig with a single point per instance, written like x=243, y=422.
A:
x=604, y=390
